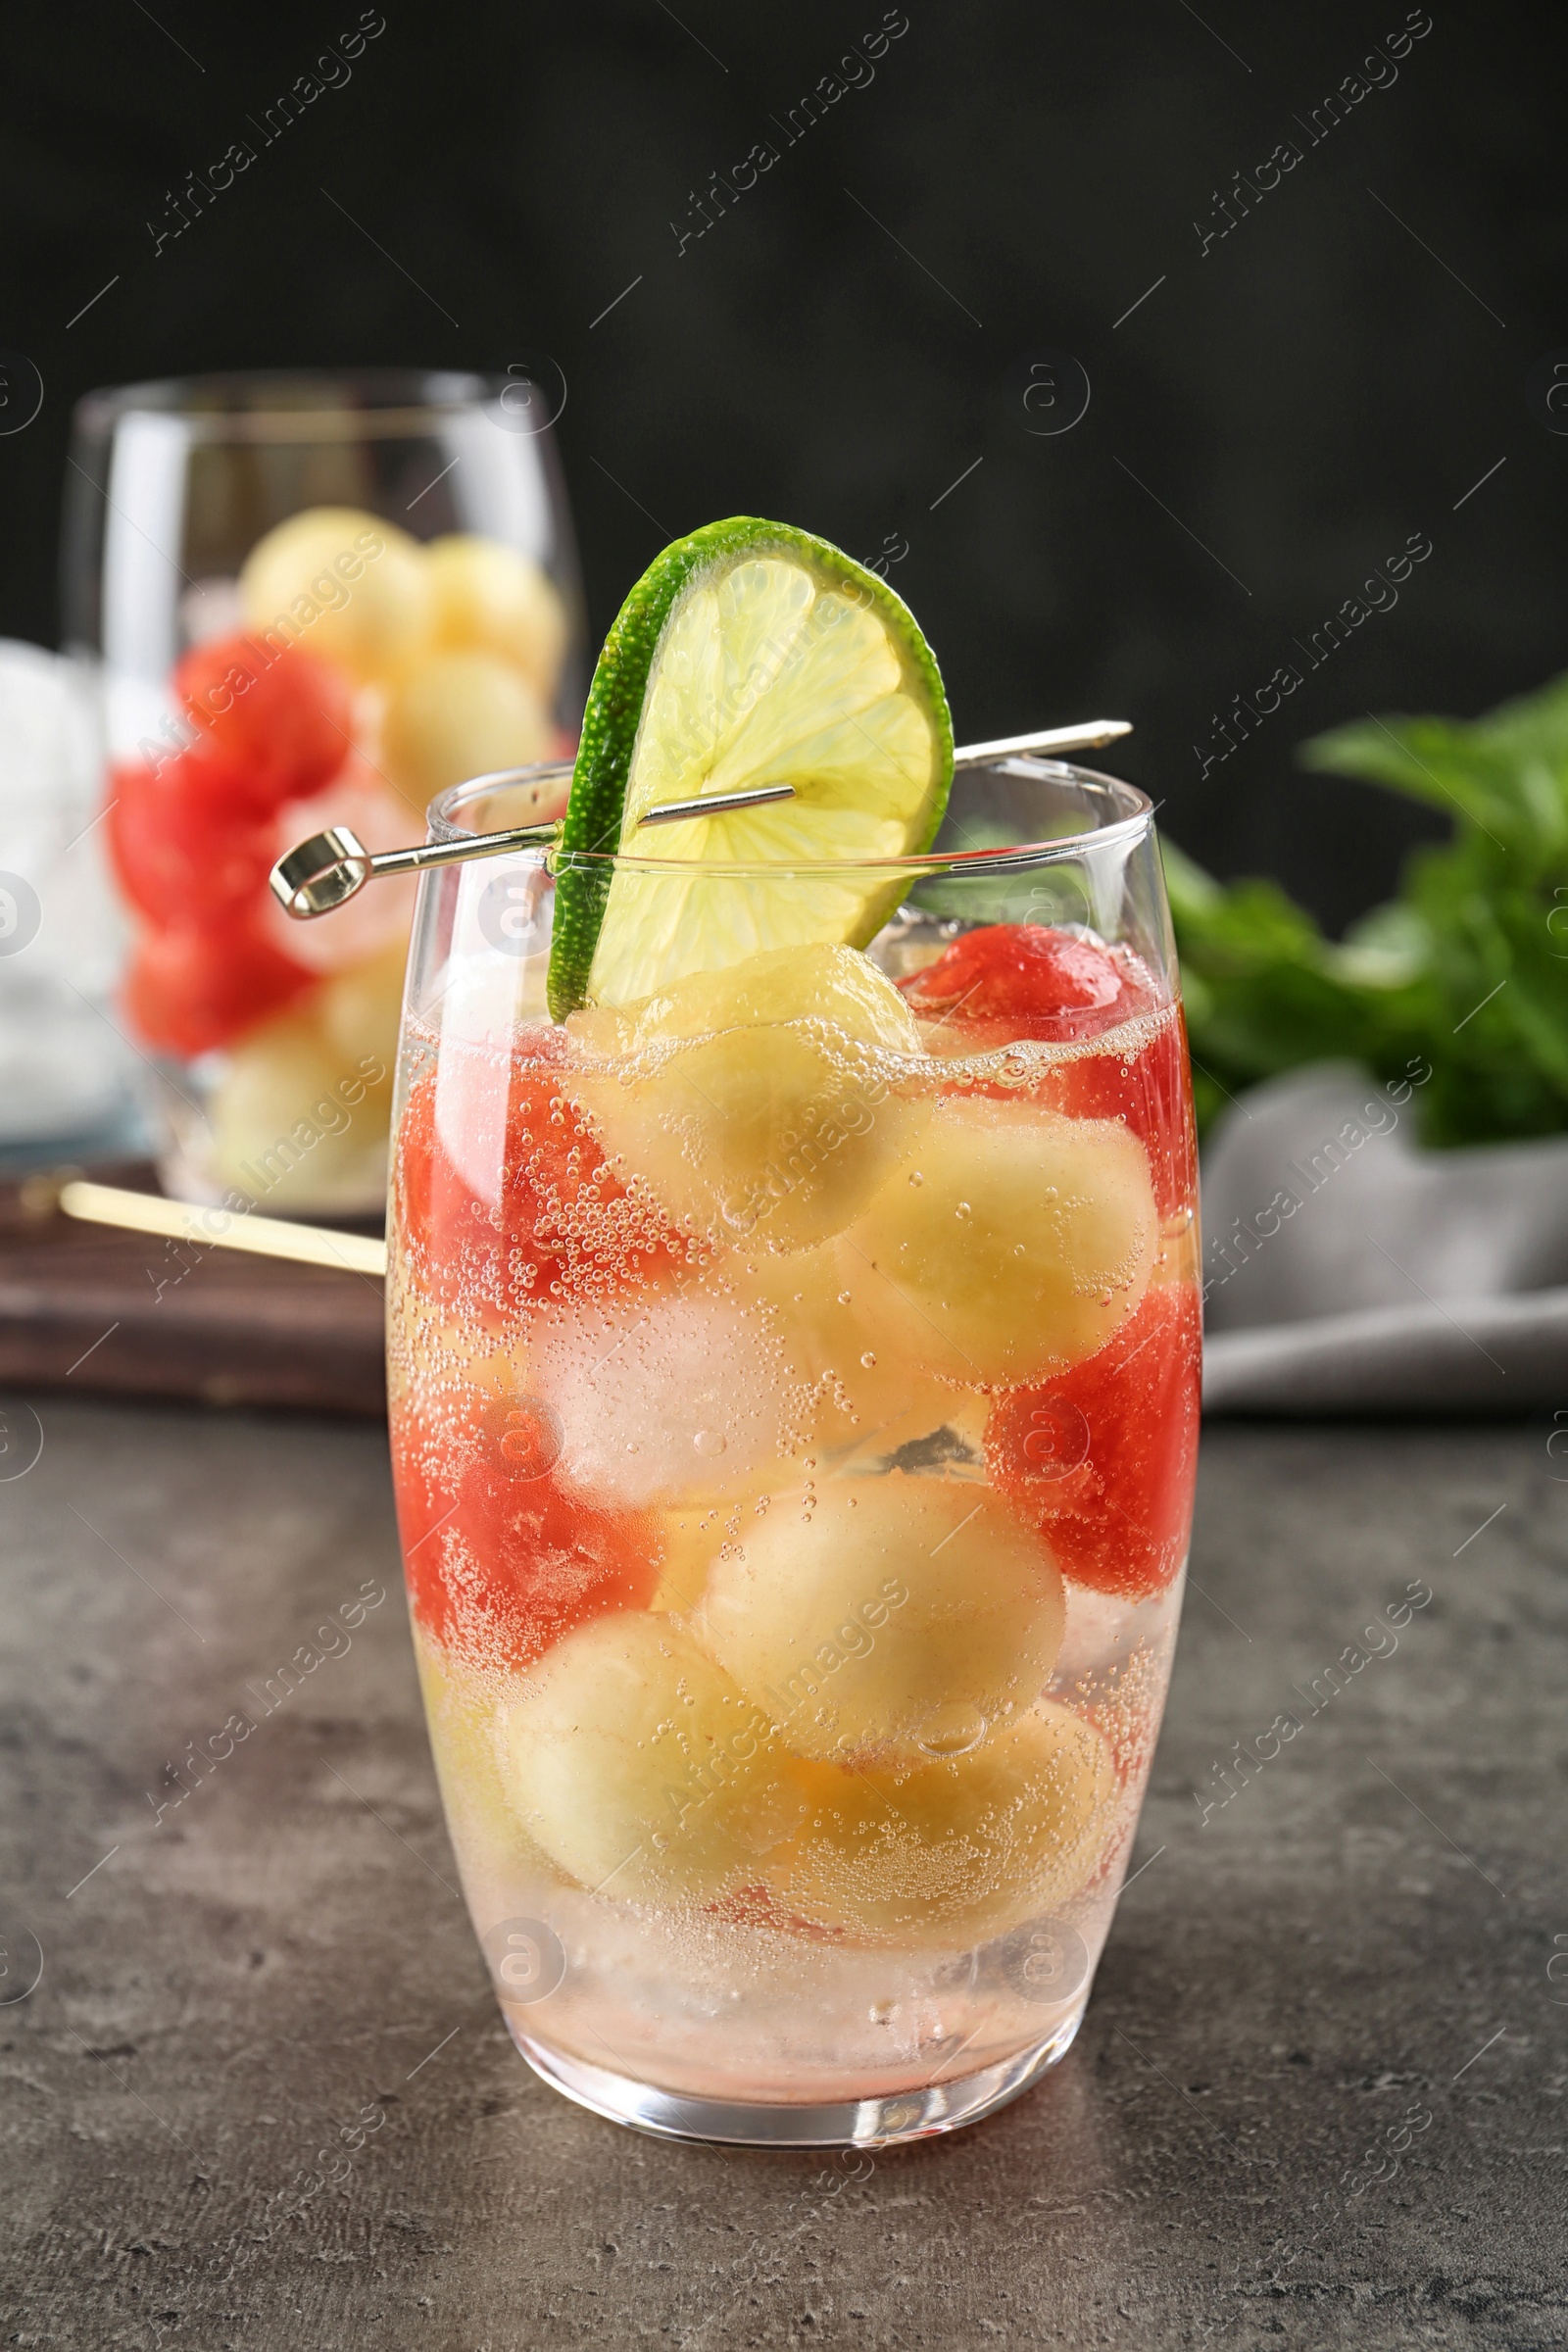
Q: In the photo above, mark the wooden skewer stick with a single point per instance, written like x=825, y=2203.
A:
x=223, y=1228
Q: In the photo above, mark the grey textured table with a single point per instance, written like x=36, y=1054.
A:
x=1361, y=1937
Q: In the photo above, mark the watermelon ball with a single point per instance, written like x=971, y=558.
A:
x=1102, y=1460
x=500, y=1561
x=195, y=986
x=447, y=1232
x=506, y=1198
x=568, y=1226
x=186, y=845
x=285, y=719
x=1026, y=980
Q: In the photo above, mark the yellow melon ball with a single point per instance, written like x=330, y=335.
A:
x=835, y=987
x=492, y=600
x=1011, y=1242
x=638, y=1766
x=889, y=1613
x=342, y=583
x=757, y=1101
x=359, y=1010
x=466, y=1713
x=950, y=1854
x=457, y=714
x=297, y=1124
x=691, y=1536
x=814, y=1302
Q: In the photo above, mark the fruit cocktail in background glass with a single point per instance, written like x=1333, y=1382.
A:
x=793, y=1348
x=316, y=601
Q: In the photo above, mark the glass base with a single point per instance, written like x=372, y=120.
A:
x=879, y=2122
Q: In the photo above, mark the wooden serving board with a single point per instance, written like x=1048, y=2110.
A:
x=87, y=1309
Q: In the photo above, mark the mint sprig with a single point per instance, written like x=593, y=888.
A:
x=1465, y=969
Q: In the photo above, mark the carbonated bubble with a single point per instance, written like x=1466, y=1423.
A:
x=952, y=1730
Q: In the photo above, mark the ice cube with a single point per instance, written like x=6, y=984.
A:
x=665, y=1400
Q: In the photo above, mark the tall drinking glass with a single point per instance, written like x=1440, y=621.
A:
x=794, y=1387
x=311, y=600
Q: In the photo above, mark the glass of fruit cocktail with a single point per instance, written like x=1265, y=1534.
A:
x=794, y=1349
x=313, y=601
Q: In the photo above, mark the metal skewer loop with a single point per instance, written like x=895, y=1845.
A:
x=330, y=868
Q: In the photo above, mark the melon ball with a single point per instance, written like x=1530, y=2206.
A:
x=343, y=583
x=453, y=715
x=757, y=1101
x=638, y=1766
x=1011, y=1243
x=815, y=1302
x=690, y=1537
x=662, y=1399
x=466, y=1712
x=951, y=1854
x=832, y=985
x=360, y=1010
x=860, y=1396
x=492, y=600
x=890, y=1613
x=297, y=1124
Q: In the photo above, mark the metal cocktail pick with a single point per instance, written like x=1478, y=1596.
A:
x=330, y=868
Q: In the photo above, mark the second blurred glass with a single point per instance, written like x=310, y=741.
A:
x=313, y=601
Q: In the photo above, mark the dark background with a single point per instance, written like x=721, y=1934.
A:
x=1313, y=389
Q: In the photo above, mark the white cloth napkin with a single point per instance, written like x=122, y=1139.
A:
x=1346, y=1269
x=65, y=1071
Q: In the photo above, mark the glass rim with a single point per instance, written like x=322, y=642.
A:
x=1133, y=823
x=376, y=403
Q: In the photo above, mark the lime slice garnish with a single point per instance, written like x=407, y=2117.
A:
x=748, y=655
